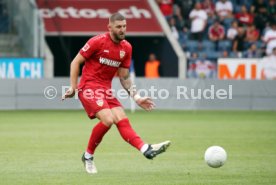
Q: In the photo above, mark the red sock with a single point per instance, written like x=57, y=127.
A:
x=97, y=134
x=128, y=134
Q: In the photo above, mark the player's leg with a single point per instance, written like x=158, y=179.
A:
x=129, y=135
x=125, y=129
x=99, y=109
x=100, y=129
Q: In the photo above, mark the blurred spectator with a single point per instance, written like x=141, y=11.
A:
x=200, y=67
x=267, y=27
x=194, y=57
x=204, y=68
x=173, y=28
x=181, y=26
x=209, y=7
x=238, y=42
x=199, y=22
x=271, y=9
x=186, y=7
x=216, y=31
x=252, y=34
x=179, y=21
x=244, y=17
x=191, y=68
x=232, y=31
x=268, y=65
x=270, y=38
x=225, y=54
x=224, y=9
x=253, y=52
x=152, y=67
x=166, y=7
x=259, y=9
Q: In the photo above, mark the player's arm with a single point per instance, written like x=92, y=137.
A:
x=74, y=73
x=144, y=102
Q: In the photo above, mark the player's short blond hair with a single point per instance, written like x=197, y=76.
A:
x=116, y=17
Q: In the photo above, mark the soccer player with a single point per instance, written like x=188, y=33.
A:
x=103, y=56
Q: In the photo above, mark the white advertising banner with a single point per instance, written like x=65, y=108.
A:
x=240, y=69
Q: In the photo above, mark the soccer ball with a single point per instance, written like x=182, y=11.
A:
x=215, y=156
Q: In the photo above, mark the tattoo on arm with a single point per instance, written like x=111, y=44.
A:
x=128, y=85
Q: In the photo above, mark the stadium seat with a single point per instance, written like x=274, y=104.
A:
x=213, y=55
x=208, y=45
x=192, y=46
x=227, y=23
x=233, y=55
x=209, y=55
x=224, y=45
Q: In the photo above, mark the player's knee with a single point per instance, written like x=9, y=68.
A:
x=118, y=118
x=108, y=121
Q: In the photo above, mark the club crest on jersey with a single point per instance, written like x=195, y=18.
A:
x=122, y=54
x=100, y=103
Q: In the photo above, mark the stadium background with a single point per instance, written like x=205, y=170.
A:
x=41, y=140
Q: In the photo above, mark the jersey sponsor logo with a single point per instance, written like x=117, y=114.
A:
x=122, y=54
x=109, y=62
x=85, y=47
x=106, y=51
x=100, y=103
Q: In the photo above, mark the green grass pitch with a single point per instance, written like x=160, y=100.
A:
x=45, y=147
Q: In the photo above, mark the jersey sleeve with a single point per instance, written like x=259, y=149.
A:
x=90, y=47
x=126, y=63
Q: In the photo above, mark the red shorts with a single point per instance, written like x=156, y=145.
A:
x=93, y=102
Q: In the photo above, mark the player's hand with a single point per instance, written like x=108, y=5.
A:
x=145, y=103
x=69, y=93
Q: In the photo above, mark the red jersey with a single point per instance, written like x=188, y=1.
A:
x=216, y=32
x=245, y=18
x=103, y=58
x=166, y=7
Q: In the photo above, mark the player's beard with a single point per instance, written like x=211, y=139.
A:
x=119, y=36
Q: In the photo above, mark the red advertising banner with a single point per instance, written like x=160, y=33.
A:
x=90, y=17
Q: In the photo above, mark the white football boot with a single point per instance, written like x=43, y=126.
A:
x=89, y=165
x=156, y=149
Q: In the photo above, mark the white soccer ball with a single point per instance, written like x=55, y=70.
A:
x=215, y=156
